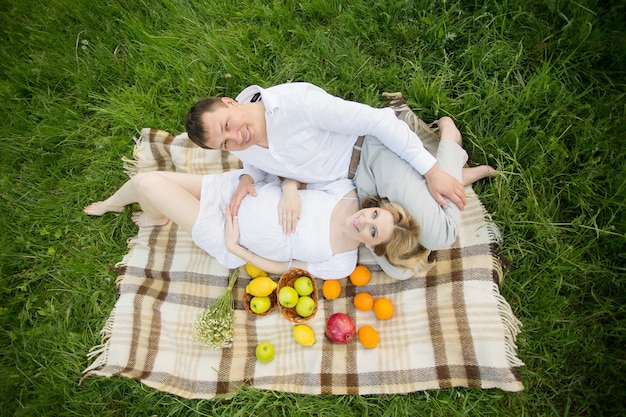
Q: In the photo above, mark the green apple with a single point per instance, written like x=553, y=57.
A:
x=287, y=297
x=303, y=285
x=260, y=304
x=264, y=352
x=305, y=306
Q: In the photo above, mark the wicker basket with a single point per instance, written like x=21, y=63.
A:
x=273, y=303
x=287, y=279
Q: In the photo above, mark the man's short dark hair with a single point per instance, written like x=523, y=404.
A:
x=193, y=119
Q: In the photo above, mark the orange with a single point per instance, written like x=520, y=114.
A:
x=360, y=276
x=331, y=289
x=363, y=301
x=368, y=336
x=383, y=309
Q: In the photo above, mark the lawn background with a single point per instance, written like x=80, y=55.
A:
x=536, y=87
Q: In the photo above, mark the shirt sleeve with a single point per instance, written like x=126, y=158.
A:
x=348, y=117
x=337, y=188
x=337, y=267
x=256, y=174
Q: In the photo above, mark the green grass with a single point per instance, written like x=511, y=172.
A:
x=537, y=88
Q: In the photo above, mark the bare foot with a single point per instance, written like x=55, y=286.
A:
x=449, y=131
x=141, y=219
x=471, y=175
x=101, y=207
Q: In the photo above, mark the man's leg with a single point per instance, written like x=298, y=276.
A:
x=381, y=172
x=427, y=133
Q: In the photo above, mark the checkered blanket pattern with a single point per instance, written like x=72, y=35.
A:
x=451, y=328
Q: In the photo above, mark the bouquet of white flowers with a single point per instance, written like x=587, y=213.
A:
x=214, y=328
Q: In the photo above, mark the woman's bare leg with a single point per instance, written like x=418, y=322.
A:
x=161, y=195
x=124, y=196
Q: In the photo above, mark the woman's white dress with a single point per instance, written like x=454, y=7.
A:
x=260, y=231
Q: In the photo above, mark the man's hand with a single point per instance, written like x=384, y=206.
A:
x=245, y=187
x=290, y=206
x=441, y=184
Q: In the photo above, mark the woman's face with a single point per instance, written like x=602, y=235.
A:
x=371, y=226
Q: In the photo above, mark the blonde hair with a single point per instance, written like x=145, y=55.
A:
x=403, y=249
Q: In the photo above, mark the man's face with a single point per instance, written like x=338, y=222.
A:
x=231, y=128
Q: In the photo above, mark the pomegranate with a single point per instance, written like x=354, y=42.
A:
x=340, y=328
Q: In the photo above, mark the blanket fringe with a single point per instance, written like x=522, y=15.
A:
x=512, y=327
x=493, y=230
x=496, y=238
x=101, y=351
x=130, y=243
x=131, y=166
x=497, y=268
x=140, y=157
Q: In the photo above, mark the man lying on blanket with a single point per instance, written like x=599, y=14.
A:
x=299, y=131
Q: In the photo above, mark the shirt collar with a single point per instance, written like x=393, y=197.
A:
x=268, y=98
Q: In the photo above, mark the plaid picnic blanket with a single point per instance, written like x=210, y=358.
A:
x=451, y=326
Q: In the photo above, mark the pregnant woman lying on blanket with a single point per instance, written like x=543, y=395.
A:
x=326, y=242
x=329, y=232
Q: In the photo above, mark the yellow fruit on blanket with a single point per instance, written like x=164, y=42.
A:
x=255, y=272
x=304, y=335
x=261, y=286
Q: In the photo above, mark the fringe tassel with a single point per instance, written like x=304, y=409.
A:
x=496, y=237
x=142, y=159
x=497, y=267
x=511, y=328
x=493, y=230
x=131, y=166
x=131, y=243
x=101, y=351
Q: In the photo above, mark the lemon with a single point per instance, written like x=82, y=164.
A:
x=304, y=335
x=261, y=286
x=255, y=272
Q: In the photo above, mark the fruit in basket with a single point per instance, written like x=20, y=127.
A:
x=340, y=328
x=304, y=335
x=288, y=297
x=303, y=286
x=331, y=289
x=305, y=306
x=260, y=305
x=261, y=286
x=264, y=352
x=255, y=272
x=360, y=276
